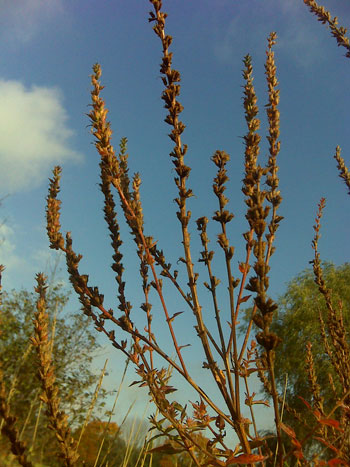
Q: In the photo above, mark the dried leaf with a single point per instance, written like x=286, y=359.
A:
x=245, y=459
x=330, y=422
x=259, y=401
x=216, y=463
x=330, y=446
x=174, y=316
x=134, y=382
x=305, y=402
x=298, y=454
x=183, y=346
x=245, y=299
x=167, y=448
x=336, y=461
x=290, y=432
x=346, y=407
x=256, y=443
x=296, y=443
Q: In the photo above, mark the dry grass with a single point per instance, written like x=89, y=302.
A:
x=229, y=364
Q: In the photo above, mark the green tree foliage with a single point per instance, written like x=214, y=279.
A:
x=297, y=322
x=113, y=446
x=73, y=350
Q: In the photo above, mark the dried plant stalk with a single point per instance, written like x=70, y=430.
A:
x=227, y=363
x=314, y=386
x=336, y=343
x=339, y=33
x=42, y=343
x=114, y=171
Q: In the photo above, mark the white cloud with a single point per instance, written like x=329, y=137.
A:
x=21, y=19
x=34, y=135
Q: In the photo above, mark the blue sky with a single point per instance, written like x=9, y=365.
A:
x=48, y=49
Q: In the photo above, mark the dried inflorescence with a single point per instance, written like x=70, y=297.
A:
x=312, y=377
x=273, y=195
x=325, y=17
x=258, y=211
x=53, y=211
x=42, y=343
x=18, y=448
x=343, y=170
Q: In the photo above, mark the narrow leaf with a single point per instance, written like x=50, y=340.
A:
x=296, y=443
x=305, y=402
x=261, y=402
x=167, y=448
x=330, y=446
x=134, y=382
x=298, y=454
x=174, y=316
x=245, y=459
x=244, y=299
x=330, y=422
x=290, y=432
x=336, y=461
x=183, y=346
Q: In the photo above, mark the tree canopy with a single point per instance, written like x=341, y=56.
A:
x=297, y=323
x=103, y=438
x=74, y=347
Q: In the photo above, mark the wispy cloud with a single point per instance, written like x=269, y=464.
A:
x=20, y=269
x=288, y=18
x=12, y=260
x=34, y=135
x=21, y=20
x=7, y=246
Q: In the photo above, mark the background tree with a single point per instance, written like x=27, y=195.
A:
x=297, y=322
x=73, y=351
x=113, y=448
x=116, y=451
